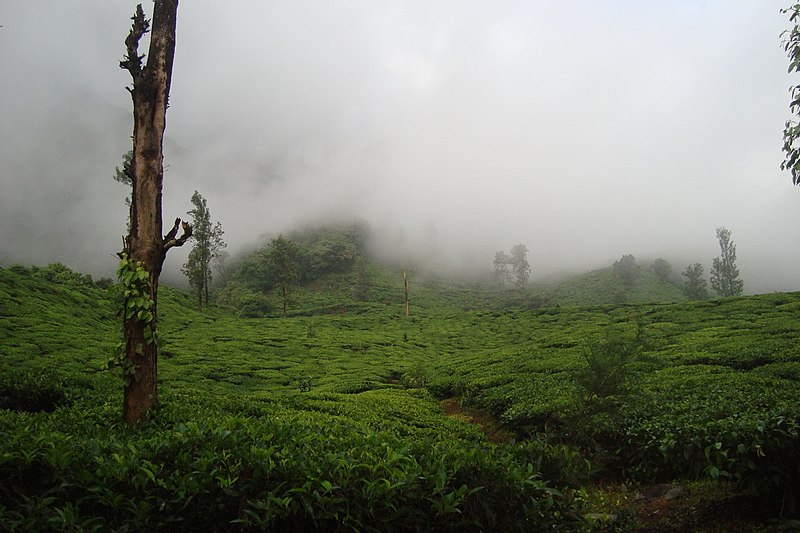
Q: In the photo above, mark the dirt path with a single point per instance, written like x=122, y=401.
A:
x=659, y=507
x=487, y=422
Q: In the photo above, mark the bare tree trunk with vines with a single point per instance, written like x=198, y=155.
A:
x=145, y=244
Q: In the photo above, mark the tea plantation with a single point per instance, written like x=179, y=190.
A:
x=329, y=419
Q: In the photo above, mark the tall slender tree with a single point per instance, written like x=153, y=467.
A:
x=208, y=244
x=724, y=274
x=519, y=265
x=502, y=261
x=282, y=259
x=145, y=248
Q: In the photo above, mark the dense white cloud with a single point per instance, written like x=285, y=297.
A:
x=584, y=129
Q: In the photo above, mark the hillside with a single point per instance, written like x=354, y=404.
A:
x=331, y=420
x=336, y=270
x=600, y=287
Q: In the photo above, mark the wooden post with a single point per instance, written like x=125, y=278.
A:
x=405, y=289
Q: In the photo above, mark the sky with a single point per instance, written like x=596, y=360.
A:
x=585, y=130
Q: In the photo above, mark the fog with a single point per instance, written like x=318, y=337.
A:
x=585, y=130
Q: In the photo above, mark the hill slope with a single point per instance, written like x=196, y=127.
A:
x=600, y=287
x=337, y=272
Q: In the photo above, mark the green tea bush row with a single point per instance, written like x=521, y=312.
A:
x=697, y=421
x=197, y=469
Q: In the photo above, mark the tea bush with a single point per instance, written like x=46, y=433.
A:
x=329, y=419
x=195, y=468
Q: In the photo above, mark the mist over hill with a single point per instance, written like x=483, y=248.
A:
x=337, y=263
x=447, y=130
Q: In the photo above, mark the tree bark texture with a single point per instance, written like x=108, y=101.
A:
x=150, y=95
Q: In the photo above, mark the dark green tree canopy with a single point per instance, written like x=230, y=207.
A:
x=662, y=269
x=627, y=270
x=696, y=287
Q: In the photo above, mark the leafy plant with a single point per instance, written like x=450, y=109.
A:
x=609, y=364
x=134, y=302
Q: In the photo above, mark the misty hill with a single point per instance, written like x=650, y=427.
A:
x=601, y=286
x=336, y=271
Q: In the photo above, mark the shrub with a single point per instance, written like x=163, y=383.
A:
x=30, y=391
x=198, y=469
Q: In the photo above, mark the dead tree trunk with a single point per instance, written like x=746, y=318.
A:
x=145, y=243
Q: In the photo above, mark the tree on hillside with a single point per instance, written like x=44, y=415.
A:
x=281, y=259
x=724, y=274
x=791, y=131
x=662, y=269
x=519, y=265
x=502, y=262
x=207, y=246
x=627, y=270
x=696, y=286
x=145, y=248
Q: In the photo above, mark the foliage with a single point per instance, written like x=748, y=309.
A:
x=282, y=259
x=512, y=266
x=627, y=270
x=662, y=269
x=208, y=245
x=133, y=303
x=325, y=389
x=56, y=273
x=26, y=390
x=246, y=302
x=724, y=274
x=791, y=131
x=519, y=265
x=501, y=264
x=195, y=469
x=123, y=175
x=604, y=287
x=326, y=250
x=696, y=286
x=609, y=365
x=319, y=252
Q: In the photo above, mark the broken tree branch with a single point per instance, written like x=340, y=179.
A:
x=133, y=61
x=169, y=239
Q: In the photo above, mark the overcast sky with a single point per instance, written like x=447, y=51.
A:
x=585, y=130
